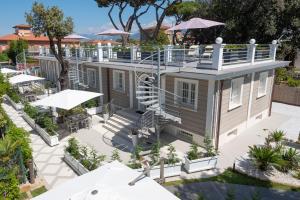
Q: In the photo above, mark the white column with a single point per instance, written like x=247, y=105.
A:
x=100, y=85
x=133, y=52
x=47, y=51
x=40, y=50
x=209, y=106
x=217, y=56
x=100, y=52
x=67, y=49
x=168, y=53
x=109, y=51
x=131, y=88
x=251, y=51
x=273, y=49
x=250, y=98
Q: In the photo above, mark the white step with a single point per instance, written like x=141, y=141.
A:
x=147, y=103
x=168, y=116
x=145, y=92
x=154, y=107
x=146, y=97
x=144, y=87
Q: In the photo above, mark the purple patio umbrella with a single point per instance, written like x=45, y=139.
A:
x=112, y=32
x=195, y=23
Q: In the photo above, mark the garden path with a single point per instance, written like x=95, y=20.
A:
x=48, y=159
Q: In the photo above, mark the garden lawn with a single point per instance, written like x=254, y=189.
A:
x=230, y=176
x=38, y=191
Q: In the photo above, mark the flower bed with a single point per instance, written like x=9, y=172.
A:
x=17, y=106
x=51, y=140
x=200, y=164
x=75, y=164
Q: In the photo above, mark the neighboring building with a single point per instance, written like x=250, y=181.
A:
x=150, y=30
x=217, y=93
x=103, y=42
x=23, y=31
x=109, y=182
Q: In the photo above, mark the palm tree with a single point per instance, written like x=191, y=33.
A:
x=7, y=150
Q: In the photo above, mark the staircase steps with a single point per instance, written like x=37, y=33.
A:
x=150, y=102
x=146, y=92
x=146, y=97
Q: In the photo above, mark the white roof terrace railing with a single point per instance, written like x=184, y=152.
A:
x=217, y=56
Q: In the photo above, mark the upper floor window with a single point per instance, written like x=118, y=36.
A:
x=91, y=78
x=262, y=86
x=236, y=92
x=119, y=80
x=186, y=92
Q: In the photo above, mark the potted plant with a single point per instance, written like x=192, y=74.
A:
x=105, y=113
x=198, y=161
x=134, y=136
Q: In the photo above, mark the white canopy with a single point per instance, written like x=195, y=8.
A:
x=66, y=99
x=9, y=71
x=23, y=78
x=109, y=182
x=75, y=36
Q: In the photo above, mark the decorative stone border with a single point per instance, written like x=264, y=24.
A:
x=17, y=106
x=75, y=164
x=245, y=166
x=200, y=164
x=51, y=140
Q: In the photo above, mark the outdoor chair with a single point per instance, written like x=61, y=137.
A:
x=72, y=126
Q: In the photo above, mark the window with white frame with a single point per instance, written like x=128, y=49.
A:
x=262, y=86
x=91, y=78
x=236, y=92
x=119, y=80
x=186, y=92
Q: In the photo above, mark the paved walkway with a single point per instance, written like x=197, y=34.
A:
x=218, y=191
x=48, y=159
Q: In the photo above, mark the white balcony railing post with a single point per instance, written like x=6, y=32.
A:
x=168, y=53
x=67, y=50
x=110, y=53
x=100, y=52
x=273, y=49
x=217, y=56
x=40, y=50
x=133, y=53
x=47, y=51
x=251, y=51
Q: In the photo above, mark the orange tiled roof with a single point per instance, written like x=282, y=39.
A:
x=29, y=38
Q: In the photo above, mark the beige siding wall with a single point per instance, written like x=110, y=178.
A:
x=192, y=121
x=231, y=118
x=260, y=104
x=120, y=98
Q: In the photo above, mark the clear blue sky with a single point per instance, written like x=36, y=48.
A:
x=88, y=18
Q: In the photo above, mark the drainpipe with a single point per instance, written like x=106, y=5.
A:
x=219, y=114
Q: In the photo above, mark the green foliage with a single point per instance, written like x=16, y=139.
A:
x=256, y=196
x=91, y=103
x=31, y=111
x=193, y=153
x=264, y=157
x=13, y=94
x=3, y=121
x=281, y=75
x=291, y=82
x=172, y=158
x=3, y=57
x=276, y=136
x=46, y=122
x=9, y=184
x=115, y=155
x=209, y=147
x=136, y=154
x=17, y=47
x=155, y=154
x=200, y=196
x=7, y=151
x=38, y=191
x=290, y=159
x=22, y=137
x=73, y=148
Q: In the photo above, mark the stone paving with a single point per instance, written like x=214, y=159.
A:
x=48, y=159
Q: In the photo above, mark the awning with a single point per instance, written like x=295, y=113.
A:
x=195, y=23
x=112, y=32
x=66, y=99
x=109, y=182
x=23, y=78
x=9, y=71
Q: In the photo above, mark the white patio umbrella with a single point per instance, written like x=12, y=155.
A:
x=113, y=32
x=75, y=36
x=23, y=78
x=66, y=99
x=195, y=23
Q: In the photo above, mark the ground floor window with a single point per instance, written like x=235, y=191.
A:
x=119, y=80
x=91, y=78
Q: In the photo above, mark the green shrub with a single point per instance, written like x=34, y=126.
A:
x=9, y=184
x=73, y=148
x=38, y=191
x=91, y=103
x=155, y=154
x=209, y=147
x=172, y=158
x=193, y=153
x=276, y=136
x=3, y=57
x=281, y=75
x=290, y=159
x=264, y=157
x=115, y=155
x=293, y=82
x=13, y=94
x=31, y=111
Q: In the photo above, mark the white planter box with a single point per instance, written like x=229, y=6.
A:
x=169, y=170
x=94, y=111
x=75, y=164
x=51, y=140
x=17, y=106
x=200, y=164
